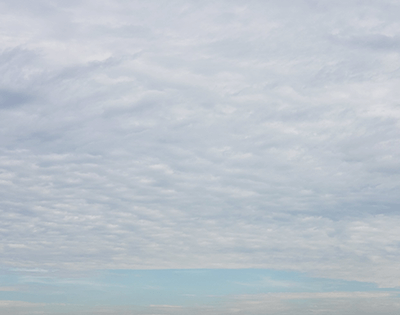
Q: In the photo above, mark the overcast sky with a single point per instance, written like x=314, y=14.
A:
x=201, y=135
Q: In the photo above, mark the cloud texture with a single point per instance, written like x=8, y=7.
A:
x=178, y=134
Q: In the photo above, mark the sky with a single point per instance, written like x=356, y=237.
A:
x=199, y=157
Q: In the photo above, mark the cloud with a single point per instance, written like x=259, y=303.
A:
x=8, y=289
x=321, y=303
x=19, y=304
x=201, y=135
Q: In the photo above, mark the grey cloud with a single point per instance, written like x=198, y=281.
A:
x=376, y=41
x=10, y=99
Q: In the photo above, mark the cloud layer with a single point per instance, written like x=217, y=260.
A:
x=201, y=135
x=337, y=303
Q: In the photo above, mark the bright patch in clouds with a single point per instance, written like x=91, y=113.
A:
x=207, y=135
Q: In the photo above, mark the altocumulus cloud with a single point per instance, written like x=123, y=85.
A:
x=212, y=134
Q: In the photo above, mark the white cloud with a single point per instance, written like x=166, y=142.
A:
x=8, y=289
x=201, y=135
